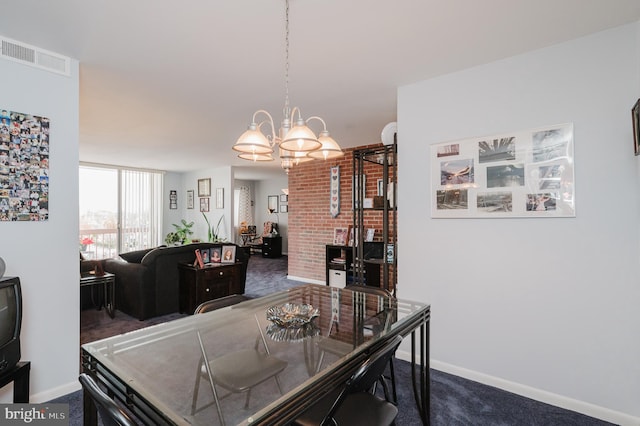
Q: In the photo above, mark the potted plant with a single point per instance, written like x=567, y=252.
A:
x=181, y=234
x=213, y=235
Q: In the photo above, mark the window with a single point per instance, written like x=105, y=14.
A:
x=120, y=210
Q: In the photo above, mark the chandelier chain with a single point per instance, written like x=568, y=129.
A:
x=286, y=65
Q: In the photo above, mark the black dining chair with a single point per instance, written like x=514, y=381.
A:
x=236, y=372
x=110, y=413
x=340, y=348
x=355, y=404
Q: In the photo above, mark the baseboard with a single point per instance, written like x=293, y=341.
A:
x=305, y=280
x=561, y=401
x=54, y=393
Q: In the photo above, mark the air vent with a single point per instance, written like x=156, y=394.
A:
x=34, y=56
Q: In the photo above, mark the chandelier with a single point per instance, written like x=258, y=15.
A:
x=295, y=141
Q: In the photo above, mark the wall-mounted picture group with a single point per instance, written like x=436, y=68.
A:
x=521, y=174
x=24, y=167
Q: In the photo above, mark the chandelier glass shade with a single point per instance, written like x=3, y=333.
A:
x=297, y=143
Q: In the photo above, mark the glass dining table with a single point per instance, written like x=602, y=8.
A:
x=183, y=371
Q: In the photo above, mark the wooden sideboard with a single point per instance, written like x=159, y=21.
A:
x=215, y=280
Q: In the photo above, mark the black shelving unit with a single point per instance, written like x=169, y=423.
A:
x=384, y=157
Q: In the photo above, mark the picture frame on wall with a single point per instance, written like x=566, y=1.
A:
x=635, y=118
x=284, y=198
x=219, y=198
x=525, y=173
x=204, y=187
x=204, y=204
x=284, y=208
x=173, y=199
x=190, y=198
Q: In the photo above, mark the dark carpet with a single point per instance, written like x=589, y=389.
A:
x=454, y=401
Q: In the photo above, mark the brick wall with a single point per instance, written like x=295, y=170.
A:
x=310, y=223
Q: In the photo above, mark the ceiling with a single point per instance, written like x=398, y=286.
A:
x=172, y=85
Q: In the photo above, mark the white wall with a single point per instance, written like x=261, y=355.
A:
x=546, y=307
x=45, y=254
x=263, y=189
x=221, y=177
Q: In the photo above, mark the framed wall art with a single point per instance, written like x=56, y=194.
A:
x=528, y=173
x=190, y=198
x=173, y=199
x=204, y=187
x=334, y=202
x=204, y=204
x=24, y=167
x=219, y=198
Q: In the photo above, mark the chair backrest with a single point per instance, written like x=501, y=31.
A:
x=110, y=413
x=371, y=370
x=366, y=375
x=222, y=302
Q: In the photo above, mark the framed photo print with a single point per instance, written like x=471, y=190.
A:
x=190, y=198
x=219, y=198
x=204, y=187
x=284, y=208
x=340, y=236
x=204, y=204
x=228, y=254
x=173, y=199
x=284, y=198
x=635, y=117
x=216, y=254
x=205, y=255
x=527, y=173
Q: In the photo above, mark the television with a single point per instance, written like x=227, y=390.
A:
x=10, y=322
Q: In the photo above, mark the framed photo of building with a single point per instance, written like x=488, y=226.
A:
x=528, y=173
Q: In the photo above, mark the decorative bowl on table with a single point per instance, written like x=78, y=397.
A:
x=292, y=315
x=291, y=334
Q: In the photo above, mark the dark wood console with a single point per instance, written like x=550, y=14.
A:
x=215, y=280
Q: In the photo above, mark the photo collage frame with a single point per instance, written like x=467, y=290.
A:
x=528, y=173
x=24, y=167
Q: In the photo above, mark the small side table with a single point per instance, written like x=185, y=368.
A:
x=108, y=280
x=19, y=375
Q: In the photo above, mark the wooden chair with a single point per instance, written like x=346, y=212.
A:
x=355, y=404
x=110, y=413
x=236, y=372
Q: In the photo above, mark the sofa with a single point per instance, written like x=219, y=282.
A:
x=147, y=283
